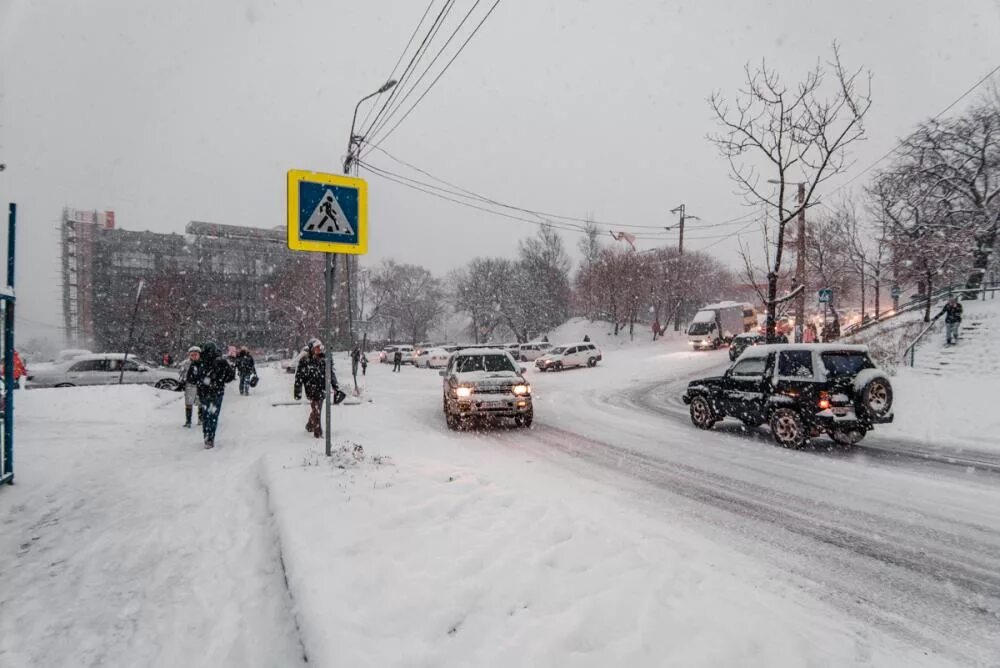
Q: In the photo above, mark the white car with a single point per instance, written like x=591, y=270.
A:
x=432, y=358
x=529, y=352
x=569, y=355
x=103, y=369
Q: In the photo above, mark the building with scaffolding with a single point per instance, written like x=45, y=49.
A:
x=231, y=284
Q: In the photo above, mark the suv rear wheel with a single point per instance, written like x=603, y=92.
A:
x=788, y=429
x=592, y=362
x=702, y=415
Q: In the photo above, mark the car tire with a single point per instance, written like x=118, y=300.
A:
x=451, y=420
x=788, y=429
x=525, y=420
x=703, y=415
x=65, y=385
x=847, y=437
x=876, y=397
x=166, y=384
x=592, y=362
x=559, y=366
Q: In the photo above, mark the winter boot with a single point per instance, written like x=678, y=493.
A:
x=209, y=445
x=318, y=432
x=187, y=416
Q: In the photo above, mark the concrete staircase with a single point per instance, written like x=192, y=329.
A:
x=977, y=352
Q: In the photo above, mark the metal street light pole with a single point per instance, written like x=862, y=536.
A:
x=330, y=268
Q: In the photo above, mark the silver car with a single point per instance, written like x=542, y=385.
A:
x=103, y=369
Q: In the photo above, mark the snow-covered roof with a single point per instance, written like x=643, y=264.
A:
x=724, y=305
x=765, y=349
x=481, y=351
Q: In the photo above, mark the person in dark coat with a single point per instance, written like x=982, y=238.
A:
x=397, y=360
x=310, y=376
x=952, y=313
x=211, y=377
x=586, y=338
x=245, y=368
x=364, y=364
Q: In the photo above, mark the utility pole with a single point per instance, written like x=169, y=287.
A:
x=800, y=266
x=680, y=223
x=682, y=216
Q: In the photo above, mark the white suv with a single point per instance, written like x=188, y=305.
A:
x=529, y=352
x=569, y=355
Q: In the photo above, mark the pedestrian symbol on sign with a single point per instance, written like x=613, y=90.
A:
x=328, y=217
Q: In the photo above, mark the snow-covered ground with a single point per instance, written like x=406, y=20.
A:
x=612, y=533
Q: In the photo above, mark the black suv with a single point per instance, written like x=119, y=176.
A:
x=801, y=390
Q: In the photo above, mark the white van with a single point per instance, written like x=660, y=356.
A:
x=529, y=352
x=566, y=356
x=716, y=324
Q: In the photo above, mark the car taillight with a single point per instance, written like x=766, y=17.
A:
x=824, y=401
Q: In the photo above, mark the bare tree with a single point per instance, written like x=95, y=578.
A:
x=795, y=135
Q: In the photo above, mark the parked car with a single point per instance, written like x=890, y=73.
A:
x=103, y=369
x=566, y=356
x=743, y=341
x=801, y=391
x=387, y=353
x=529, y=352
x=485, y=383
x=432, y=358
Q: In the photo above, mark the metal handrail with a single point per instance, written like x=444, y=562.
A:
x=919, y=302
x=911, y=349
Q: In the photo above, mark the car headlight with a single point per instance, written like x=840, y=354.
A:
x=463, y=392
x=521, y=389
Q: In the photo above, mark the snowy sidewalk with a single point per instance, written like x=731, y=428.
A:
x=126, y=544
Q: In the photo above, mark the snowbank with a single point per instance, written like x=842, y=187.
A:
x=602, y=334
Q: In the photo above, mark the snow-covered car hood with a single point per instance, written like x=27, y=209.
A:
x=488, y=378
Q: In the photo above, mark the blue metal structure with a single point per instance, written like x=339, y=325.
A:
x=7, y=305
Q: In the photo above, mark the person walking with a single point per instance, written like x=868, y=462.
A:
x=810, y=335
x=213, y=374
x=187, y=374
x=246, y=369
x=364, y=364
x=952, y=313
x=310, y=376
x=397, y=360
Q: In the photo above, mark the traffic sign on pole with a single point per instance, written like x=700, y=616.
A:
x=825, y=295
x=896, y=291
x=327, y=213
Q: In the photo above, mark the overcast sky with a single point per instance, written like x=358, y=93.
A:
x=168, y=112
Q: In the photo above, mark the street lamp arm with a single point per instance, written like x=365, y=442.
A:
x=354, y=120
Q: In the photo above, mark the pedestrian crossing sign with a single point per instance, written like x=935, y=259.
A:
x=327, y=213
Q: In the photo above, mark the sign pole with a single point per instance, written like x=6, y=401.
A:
x=328, y=335
x=131, y=329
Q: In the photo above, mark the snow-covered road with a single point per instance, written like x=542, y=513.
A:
x=612, y=533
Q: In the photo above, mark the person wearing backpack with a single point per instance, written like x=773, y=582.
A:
x=211, y=378
x=310, y=375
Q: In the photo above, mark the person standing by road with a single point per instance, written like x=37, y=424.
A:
x=397, y=360
x=364, y=364
x=952, y=313
x=245, y=368
x=310, y=375
x=213, y=374
x=187, y=374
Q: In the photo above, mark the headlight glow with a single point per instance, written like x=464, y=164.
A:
x=521, y=389
x=463, y=392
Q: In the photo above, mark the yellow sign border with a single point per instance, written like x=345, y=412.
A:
x=297, y=176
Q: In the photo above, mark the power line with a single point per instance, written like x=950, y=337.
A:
x=899, y=144
x=410, y=65
x=400, y=59
x=465, y=192
x=416, y=84
x=441, y=73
